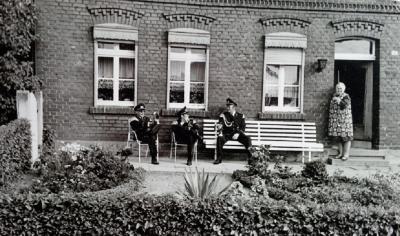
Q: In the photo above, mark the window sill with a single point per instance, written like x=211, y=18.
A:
x=192, y=113
x=281, y=116
x=111, y=110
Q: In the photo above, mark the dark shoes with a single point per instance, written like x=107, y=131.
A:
x=216, y=162
x=189, y=163
x=155, y=162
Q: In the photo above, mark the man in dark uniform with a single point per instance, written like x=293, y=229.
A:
x=231, y=126
x=186, y=132
x=146, y=129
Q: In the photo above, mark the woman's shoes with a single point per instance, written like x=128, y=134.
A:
x=344, y=158
x=338, y=156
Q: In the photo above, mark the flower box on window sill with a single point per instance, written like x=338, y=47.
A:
x=111, y=110
x=281, y=116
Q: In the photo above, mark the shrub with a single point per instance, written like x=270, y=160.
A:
x=15, y=150
x=315, y=170
x=91, y=214
x=79, y=169
x=48, y=140
x=17, y=25
x=258, y=164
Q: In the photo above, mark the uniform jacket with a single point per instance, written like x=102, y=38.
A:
x=141, y=125
x=183, y=130
x=237, y=120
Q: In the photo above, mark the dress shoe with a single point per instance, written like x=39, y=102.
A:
x=216, y=162
x=155, y=163
x=189, y=163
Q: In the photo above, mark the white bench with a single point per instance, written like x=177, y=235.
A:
x=279, y=135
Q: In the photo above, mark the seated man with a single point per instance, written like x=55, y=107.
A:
x=186, y=132
x=146, y=129
x=231, y=126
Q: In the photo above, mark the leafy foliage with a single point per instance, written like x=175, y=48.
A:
x=92, y=214
x=315, y=170
x=80, y=169
x=313, y=185
x=258, y=164
x=15, y=150
x=17, y=24
x=48, y=140
x=199, y=185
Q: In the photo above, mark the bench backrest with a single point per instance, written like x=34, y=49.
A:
x=264, y=131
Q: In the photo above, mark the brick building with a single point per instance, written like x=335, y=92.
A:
x=278, y=59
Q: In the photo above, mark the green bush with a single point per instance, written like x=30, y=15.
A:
x=315, y=170
x=15, y=150
x=84, y=169
x=17, y=25
x=258, y=163
x=49, y=137
x=88, y=214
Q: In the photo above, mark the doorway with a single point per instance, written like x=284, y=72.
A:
x=358, y=78
x=354, y=64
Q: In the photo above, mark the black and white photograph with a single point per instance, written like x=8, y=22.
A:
x=200, y=117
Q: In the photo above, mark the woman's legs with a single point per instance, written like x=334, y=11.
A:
x=340, y=149
x=346, y=149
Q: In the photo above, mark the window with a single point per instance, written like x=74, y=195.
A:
x=283, y=88
x=355, y=49
x=283, y=75
x=115, y=67
x=187, y=69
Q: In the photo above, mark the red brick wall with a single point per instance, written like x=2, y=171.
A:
x=64, y=59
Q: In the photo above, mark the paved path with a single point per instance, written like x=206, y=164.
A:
x=168, y=176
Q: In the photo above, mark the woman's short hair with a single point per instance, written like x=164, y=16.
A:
x=340, y=84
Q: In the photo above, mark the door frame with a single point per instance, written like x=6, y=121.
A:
x=370, y=80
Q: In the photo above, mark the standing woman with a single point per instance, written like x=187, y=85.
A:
x=340, y=126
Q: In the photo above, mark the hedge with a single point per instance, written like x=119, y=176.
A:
x=15, y=150
x=108, y=214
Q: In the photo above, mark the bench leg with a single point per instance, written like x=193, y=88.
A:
x=309, y=156
x=139, y=152
x=175, y=154
x=215, y=154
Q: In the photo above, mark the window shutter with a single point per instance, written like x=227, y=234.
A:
x=189, y=36
x=115, y=32
x=284, y=56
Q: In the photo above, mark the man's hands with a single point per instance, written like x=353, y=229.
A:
x=235, y=136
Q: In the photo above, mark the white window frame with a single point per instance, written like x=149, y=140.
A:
x=284, y=40
x=116, y=54
x=188, y=58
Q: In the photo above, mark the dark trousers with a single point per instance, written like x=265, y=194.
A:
x=188, y=137
x=150, y=137
x=243, y=139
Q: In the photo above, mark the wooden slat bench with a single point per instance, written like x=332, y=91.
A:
x=279, y=135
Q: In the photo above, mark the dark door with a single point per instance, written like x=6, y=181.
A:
x=357, y=76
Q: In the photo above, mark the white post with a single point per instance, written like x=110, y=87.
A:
x=39, y=102
x=27, y=109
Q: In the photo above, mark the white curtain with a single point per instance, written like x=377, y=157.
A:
x=177, y=70
x=105, y=67
x=197, y=71
x=126, y=68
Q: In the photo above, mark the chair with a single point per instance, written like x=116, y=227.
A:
x=132, y=138
x=175, y=144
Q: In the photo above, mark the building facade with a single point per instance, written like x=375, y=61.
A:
x=279, y=59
